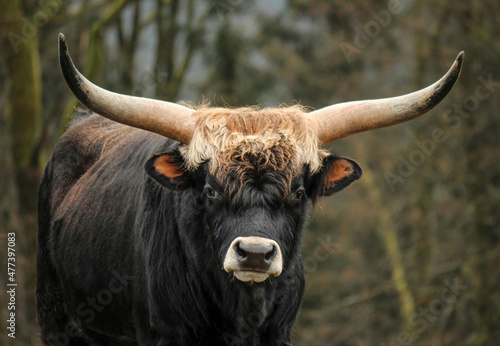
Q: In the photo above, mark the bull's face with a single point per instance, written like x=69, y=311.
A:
x=255, y=194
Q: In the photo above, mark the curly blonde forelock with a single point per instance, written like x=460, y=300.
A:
x=281, y=137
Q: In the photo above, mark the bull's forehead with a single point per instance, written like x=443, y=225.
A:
x=279, y=139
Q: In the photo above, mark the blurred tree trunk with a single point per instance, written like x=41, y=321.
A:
x=225, y=75
x=425, y=209
x=167, y=30
x=387, y=231
x=20, y=45
x=481, y=176
x=481, y=188
x=168, y=60
x=128, y=46
x=22, y=125
x=482, y=195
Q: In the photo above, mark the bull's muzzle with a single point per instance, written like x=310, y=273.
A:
x=253, y=259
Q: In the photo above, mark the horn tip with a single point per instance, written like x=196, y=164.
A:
x=63, y=48
x=460, y=59
x=62, y=40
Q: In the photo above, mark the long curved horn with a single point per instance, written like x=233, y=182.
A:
x=344, y=119
x=165, y=118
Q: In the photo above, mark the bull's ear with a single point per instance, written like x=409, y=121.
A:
x=337, y=173
x=168, y=170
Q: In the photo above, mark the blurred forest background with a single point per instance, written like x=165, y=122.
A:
x=409, y=255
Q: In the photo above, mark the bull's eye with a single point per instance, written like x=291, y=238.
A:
x=209, y=192
x=300, y=193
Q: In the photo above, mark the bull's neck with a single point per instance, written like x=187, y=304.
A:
x=253, y=310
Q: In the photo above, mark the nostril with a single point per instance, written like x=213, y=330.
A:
x=242, y=254
x=271, y=254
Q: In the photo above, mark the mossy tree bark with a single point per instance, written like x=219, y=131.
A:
x=20, y=171
x=388, y=232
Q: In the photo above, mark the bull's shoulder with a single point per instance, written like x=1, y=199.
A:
x=96, y=141
x=93, y=136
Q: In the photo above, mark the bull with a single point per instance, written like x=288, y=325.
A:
x=162, y=224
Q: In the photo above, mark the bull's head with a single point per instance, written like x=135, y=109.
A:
x=256, y=170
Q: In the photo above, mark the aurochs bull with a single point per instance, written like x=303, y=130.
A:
x=161, y=224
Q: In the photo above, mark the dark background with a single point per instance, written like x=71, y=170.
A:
x=409, y=255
